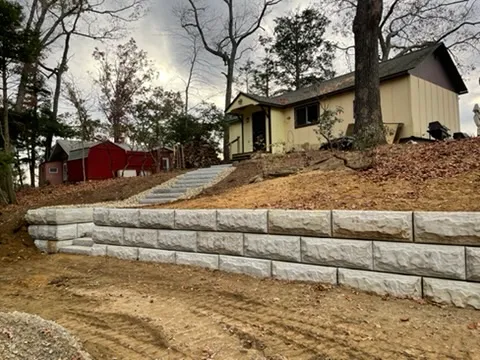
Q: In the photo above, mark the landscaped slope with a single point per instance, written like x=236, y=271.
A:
x=439, y=176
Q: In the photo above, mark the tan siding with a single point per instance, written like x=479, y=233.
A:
x=278, y=131
x=241, y=102
x=435, y=104
x=235, y=131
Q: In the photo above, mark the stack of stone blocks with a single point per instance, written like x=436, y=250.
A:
x=56, y=228
x=405, y=254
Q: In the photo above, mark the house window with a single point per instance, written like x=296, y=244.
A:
x=53, y=170
x=306, y=115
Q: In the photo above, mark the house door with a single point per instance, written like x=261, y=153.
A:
x=65, y=172
x=259, y=131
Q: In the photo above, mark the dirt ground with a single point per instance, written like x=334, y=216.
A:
x=130, y=310
x=15, y=243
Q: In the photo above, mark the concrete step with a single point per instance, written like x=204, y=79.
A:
x=169, y=191
x=193, y=181
x=206, y=172
x=164, y=196
x=197, y=176
x=75, y=249
x=154, y=201
x=83, y=241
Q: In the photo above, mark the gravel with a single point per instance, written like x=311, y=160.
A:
x=29, y=337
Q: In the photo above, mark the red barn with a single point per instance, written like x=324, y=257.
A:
x=103, y=160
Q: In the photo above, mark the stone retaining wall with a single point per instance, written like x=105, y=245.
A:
x=405, y=254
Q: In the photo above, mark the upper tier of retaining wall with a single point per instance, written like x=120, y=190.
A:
x=413, y=254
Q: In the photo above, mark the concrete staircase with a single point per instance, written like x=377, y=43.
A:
x=80, y=246
x=189, y=181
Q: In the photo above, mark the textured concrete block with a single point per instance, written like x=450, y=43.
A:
x=373, y=225
x=418, y=259
x=381, y=283
x=248, y=221
x=123, y=217
x=36, y=217
x=98, y=250
x=53, y=232
x=85, y=229
x=51, y=247
x=71, y=215
x=447, y=227
x=100, y=216
x=147, y=238
x=302, y=272
x=274, y=247
x=458, y=293
x=154, y=255
x=220, y=243
x=249, y=266
x=196, y=219
x=177, y=240
x=194, y=259
x=122, y=252
x=157, y=219
x=473, y=263
x=338, y=252
x=107, y=235
x=299, y=222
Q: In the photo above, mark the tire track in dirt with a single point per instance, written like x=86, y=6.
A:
x=132, y=337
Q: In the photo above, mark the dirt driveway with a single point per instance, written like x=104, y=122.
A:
x=131, y=310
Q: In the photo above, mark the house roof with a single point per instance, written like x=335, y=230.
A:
x=389, y=69
x=70, y=147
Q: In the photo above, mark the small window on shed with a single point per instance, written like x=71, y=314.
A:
x=53, y=170
x=306, y=115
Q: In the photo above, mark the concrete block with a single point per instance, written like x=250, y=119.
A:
x=247, y=221
x=157, y=219
x=337, y=252
x=302, y=272
x=418, y=259
x=85, y=241
x=98, y=250
x=373, y=225
x=461, y=228
x=154, y=255
x=473, y=263
x=123, y=217
x=100, y=216
x=85, y=229
x=220, y=243
x=147, y=238
x=107, y=235
x=380, y=283
x=458, y=293
x=36, y=217
x=194, y=259
x=70, y=215
x=299, y=222
x=53, y=232
x=275, y=247
x=196, y=219
x=75, y=249
x=122, y=252
x=177, y=240
x=248, y=266
x=51, y=247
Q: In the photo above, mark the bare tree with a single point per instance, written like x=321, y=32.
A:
x=225, y=40
x=193, y=60
x=409, y=25
x=368, y=128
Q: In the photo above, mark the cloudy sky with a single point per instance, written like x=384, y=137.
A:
x=158, y=34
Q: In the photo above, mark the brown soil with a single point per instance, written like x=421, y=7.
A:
x=15, y=243
x=130, y=310
x=439, y=176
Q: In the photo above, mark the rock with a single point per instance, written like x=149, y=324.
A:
x=302, y=272
x=147, y=238
x=157, y=219
x=220, y=243
x=338, y=252
x=256, y=179
x=473, y=263
x=458, y=293
x=177, y=240
x=419, y=259
x=202, y=260
x=299, y=222
x=154, y=255
x=248, y=221
x=107, y=235
x=248, y=266
x=373, y=225
x=196, y=219
x=122, y=252
x=272, y=247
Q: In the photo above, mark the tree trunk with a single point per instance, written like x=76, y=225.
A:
x=228, y=100
x=369, y=129
x=12, y=197
x=22, y=86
